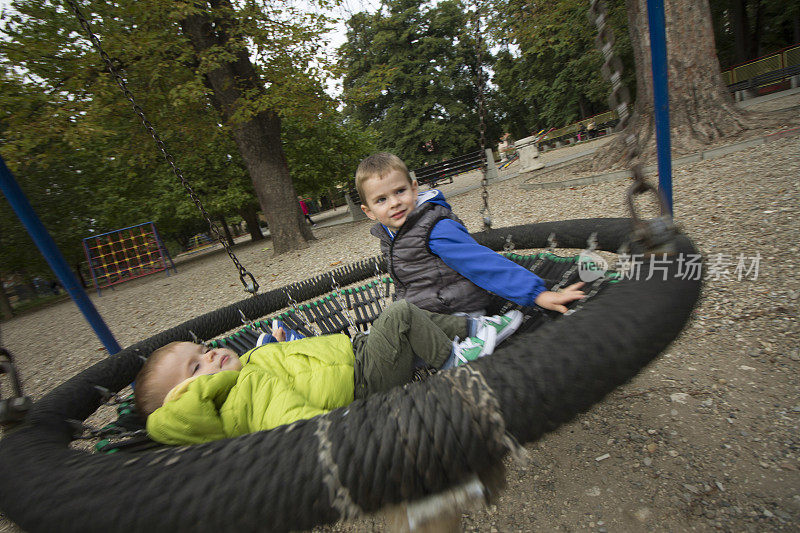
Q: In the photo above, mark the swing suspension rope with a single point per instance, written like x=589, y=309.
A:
x=620, y=99
x=248, y=281
x=485, y=211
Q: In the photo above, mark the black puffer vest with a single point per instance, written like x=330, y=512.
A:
x=420, y=276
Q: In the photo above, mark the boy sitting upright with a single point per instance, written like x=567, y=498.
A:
x=431, y=256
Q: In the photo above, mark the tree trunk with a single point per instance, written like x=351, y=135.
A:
x=757, y=30
x=582, y=107
x=5, y=304
x=258, y=136
x=77, y=268
x=796, y=27
x=227, y=230
x=250, y=217
x=702, y=110
x=741, y=32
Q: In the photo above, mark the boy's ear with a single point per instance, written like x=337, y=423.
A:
x=368, y=212
x=414, y=186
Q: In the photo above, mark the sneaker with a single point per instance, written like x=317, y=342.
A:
x=472, y=348
x=502, y=325
x=291, y=335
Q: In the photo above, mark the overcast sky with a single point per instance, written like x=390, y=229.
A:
x=336, y=37
x=344, y=11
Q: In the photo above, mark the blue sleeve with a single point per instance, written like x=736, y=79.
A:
x=485, y=268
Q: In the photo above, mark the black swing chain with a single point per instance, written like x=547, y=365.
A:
x=248, y=281
x=485, y=211
x=16, y=406
x=620, y=100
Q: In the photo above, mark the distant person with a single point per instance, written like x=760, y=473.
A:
x=591, y=129
x=582, y=132
x=55, y=287
x=505, y=147
x=304, y=209
x=435, y=262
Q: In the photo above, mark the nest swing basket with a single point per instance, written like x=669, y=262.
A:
x=403, y=445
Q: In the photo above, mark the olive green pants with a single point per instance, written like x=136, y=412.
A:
x=386, y=357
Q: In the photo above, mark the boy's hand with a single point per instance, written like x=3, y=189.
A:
x=554, y=301
x=279, y=334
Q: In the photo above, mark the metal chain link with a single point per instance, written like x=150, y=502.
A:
x=551, y=248
x=620, y=100
x=485, y=211
x=337, y=292
x=247, y=279
x=294, y=306
x=509, y=244
x=381, y=293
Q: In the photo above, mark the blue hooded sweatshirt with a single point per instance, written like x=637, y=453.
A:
x=482, y=266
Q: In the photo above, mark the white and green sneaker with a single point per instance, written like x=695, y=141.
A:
x=472, y=348
x=502, y=325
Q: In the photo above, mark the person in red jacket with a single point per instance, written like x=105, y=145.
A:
x=304, y=209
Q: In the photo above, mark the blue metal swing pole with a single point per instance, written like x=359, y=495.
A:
x=658, y=58
x=29, y=218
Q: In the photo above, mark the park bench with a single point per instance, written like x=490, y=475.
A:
x=432, y=174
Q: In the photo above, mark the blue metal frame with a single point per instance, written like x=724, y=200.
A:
x=658, y=57
x=29, y=218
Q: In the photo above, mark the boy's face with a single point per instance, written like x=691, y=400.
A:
x=188, y=359
x=389, y=199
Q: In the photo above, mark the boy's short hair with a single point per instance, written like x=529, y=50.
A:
x=146, y=398
x=377, y=166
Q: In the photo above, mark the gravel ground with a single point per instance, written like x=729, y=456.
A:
x=706, y=438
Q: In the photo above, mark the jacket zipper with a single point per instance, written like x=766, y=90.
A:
x=391, y=261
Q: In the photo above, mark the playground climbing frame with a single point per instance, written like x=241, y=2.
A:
x=125, y=254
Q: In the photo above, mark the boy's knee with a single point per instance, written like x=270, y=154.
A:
x=398, y=308
x=395, y=314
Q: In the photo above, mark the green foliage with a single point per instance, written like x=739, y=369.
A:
x=83, y=157
x=411, y=77
x=324, y=154
x=549, y=69
x=767, y=26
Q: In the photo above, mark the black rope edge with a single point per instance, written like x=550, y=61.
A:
x=274, y=479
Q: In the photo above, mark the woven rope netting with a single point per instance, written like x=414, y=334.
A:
x=408, y=443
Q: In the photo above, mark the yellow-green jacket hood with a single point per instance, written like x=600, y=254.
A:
x=279, y=383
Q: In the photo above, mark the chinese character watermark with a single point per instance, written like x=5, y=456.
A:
x=718, y=267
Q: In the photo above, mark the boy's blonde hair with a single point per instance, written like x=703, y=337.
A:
x=377, y=166
x=147, y=400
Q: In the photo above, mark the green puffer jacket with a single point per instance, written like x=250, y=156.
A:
x=279, y=383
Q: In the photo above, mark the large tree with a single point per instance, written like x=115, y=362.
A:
x=702, y=110
x=549, y=74
x=48, y=51
x=250, y=102
x=78, y=151
x=411, y=76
